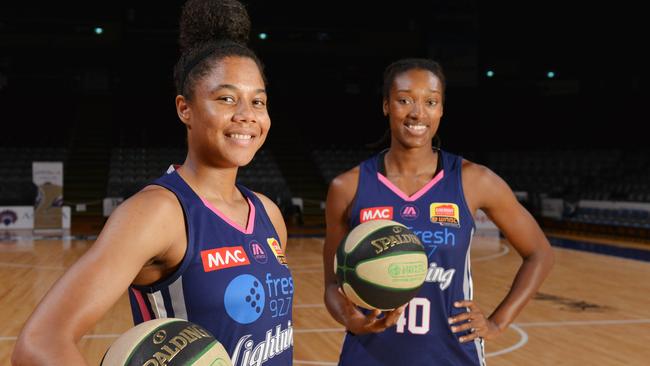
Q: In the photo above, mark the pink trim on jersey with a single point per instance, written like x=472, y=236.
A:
x=417, y=194
x=143, y=307
x=251, y=216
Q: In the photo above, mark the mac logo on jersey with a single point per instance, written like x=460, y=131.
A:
x=376, y=213
x=409, y=212
x=225, y=257
x=244, y=299
x=445, y=214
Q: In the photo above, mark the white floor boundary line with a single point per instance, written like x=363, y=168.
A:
x=300, y=306
x=323, y=363
x=33, y=266
x=306, y=266
x=504, y=250
x=319, y=270
x=517, y=327
x=319, y=330
x=89, y=336
x=584, y=323
x=523, y=339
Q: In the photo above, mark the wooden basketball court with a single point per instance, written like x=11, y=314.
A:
x=593, y=309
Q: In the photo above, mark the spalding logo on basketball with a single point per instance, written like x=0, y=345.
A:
x=167, y=341
x=380, y=264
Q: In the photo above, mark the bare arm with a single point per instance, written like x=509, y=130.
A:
x=339, y=199
x=486, y=190
x=141, y=229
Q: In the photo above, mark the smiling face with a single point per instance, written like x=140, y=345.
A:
x=414, y=108
x=226, y=117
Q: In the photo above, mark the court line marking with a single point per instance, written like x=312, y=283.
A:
x=523, y=339
x=523, y=335
x=305, y=268
x=584, y=322
x=299, y=306
x=302, y=362
x=504, y=250
x=518, y=325
x=319, y=270
x=319, y=330
x=27, y=238
x=89, y=336
x=34, y=266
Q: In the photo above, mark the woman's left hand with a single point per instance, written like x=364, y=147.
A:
x=475, y=321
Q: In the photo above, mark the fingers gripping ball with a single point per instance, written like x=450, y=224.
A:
x=167, y=341
x=380, y=264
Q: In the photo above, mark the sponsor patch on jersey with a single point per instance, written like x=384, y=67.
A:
x=225, y=257
x=376, y=213
x=277, y=250
x=409, y=212
x=244, y=299
x=258, y=252
x=445, y=214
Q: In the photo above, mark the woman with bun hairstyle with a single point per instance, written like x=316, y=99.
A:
x=194, y=244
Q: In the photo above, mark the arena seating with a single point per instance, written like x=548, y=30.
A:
x=334, y=160
x=133, y=168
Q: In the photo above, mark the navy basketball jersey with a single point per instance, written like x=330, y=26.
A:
x=233, y=281
x=439, y=216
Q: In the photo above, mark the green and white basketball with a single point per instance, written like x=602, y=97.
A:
x=167, y=341
x=380, y=264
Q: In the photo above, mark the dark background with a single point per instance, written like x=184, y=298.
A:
x=59, y=81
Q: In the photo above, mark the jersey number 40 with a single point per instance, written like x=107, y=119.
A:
x=416, y=304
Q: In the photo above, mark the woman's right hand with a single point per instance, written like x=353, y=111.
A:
x=354, y=320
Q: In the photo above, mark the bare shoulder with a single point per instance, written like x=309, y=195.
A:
x=270, y=206
x=340, y=196
x=151, y=203
x=481, y=184
x=345, y=184
x=479, y=175
x=152, y=217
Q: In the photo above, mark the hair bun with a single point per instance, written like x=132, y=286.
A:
x=204, y=21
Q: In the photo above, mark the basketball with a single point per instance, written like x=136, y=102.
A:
x=380, y=264
x=167, y=341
